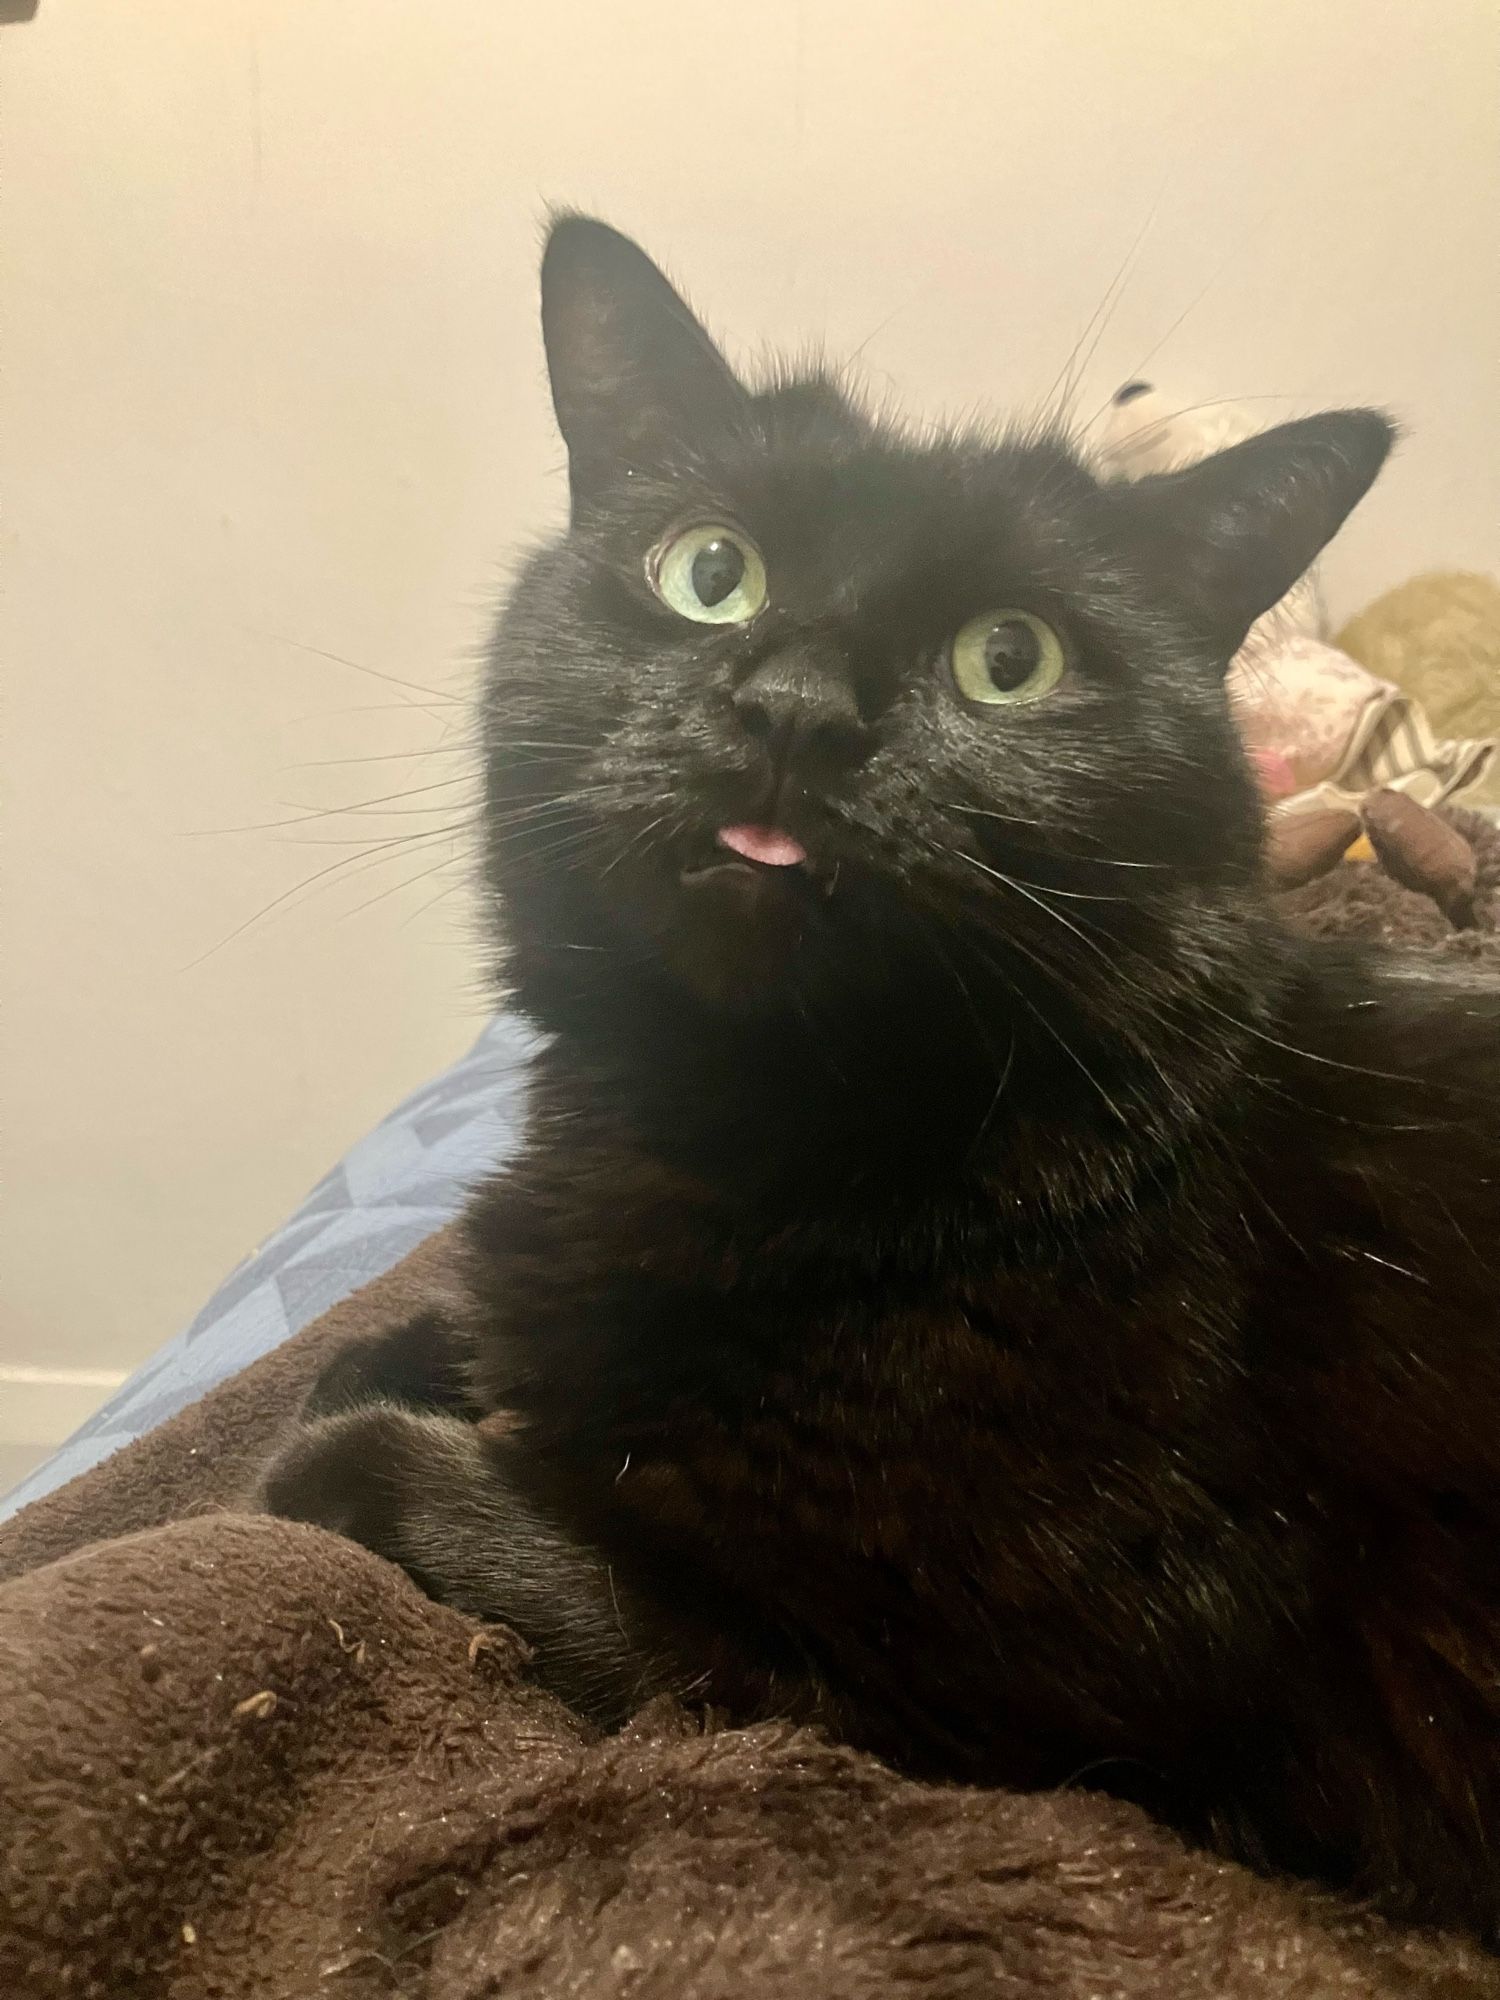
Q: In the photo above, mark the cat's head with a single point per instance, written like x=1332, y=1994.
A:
x=803, y=700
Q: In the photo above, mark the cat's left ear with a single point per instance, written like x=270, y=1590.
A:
x=633, y=372
x=1230, y=535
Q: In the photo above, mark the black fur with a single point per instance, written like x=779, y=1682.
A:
x=992, y=1289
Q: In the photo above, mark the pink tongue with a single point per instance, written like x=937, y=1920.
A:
x=764, y=844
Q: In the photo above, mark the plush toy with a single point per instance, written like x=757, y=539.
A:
x=1423, y=852
x=1414, y=845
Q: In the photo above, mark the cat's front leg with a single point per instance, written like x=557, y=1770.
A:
x=436, y=1495
x=419, y=1362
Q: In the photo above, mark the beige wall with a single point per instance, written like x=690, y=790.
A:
x=271, y=383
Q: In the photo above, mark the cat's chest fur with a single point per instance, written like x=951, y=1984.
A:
x=954, y=1476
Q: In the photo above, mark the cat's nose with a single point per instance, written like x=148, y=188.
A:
x=804, y=710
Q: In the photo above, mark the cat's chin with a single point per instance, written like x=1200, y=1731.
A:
x=734, y=931
x=746, y=884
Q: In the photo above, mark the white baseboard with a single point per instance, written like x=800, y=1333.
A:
x=42, y=1406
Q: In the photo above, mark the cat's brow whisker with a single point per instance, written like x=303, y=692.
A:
x=1192, y=410
x=1134, y=373
x=1112, y=305
x=1113, y=292
x=1236, y=248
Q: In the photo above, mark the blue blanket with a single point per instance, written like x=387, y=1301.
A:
x=400, y=1183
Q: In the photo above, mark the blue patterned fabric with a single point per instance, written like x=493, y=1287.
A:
x=399, y=1184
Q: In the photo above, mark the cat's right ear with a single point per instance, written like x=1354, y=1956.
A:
x=633, y=373
x=1230, y=535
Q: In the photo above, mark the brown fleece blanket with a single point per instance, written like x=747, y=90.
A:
x=240, y=1757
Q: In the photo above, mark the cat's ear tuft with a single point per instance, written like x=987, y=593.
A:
x=1230, y=535
x=633, y=372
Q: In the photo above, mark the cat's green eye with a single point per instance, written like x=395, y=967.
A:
x=1007, y=656
x=709, y=573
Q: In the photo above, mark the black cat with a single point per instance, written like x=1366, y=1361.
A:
x=973, y=1278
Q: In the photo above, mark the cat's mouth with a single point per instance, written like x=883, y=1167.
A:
x=766, y=846
x=753, y=854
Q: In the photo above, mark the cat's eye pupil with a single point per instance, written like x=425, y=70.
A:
x=718, y=568
x=1012, y=653
x=710, y=573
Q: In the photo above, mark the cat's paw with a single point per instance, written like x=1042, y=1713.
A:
x=346, y=1473
x=415, y=1363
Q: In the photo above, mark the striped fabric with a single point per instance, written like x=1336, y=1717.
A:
x=1395, y=746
